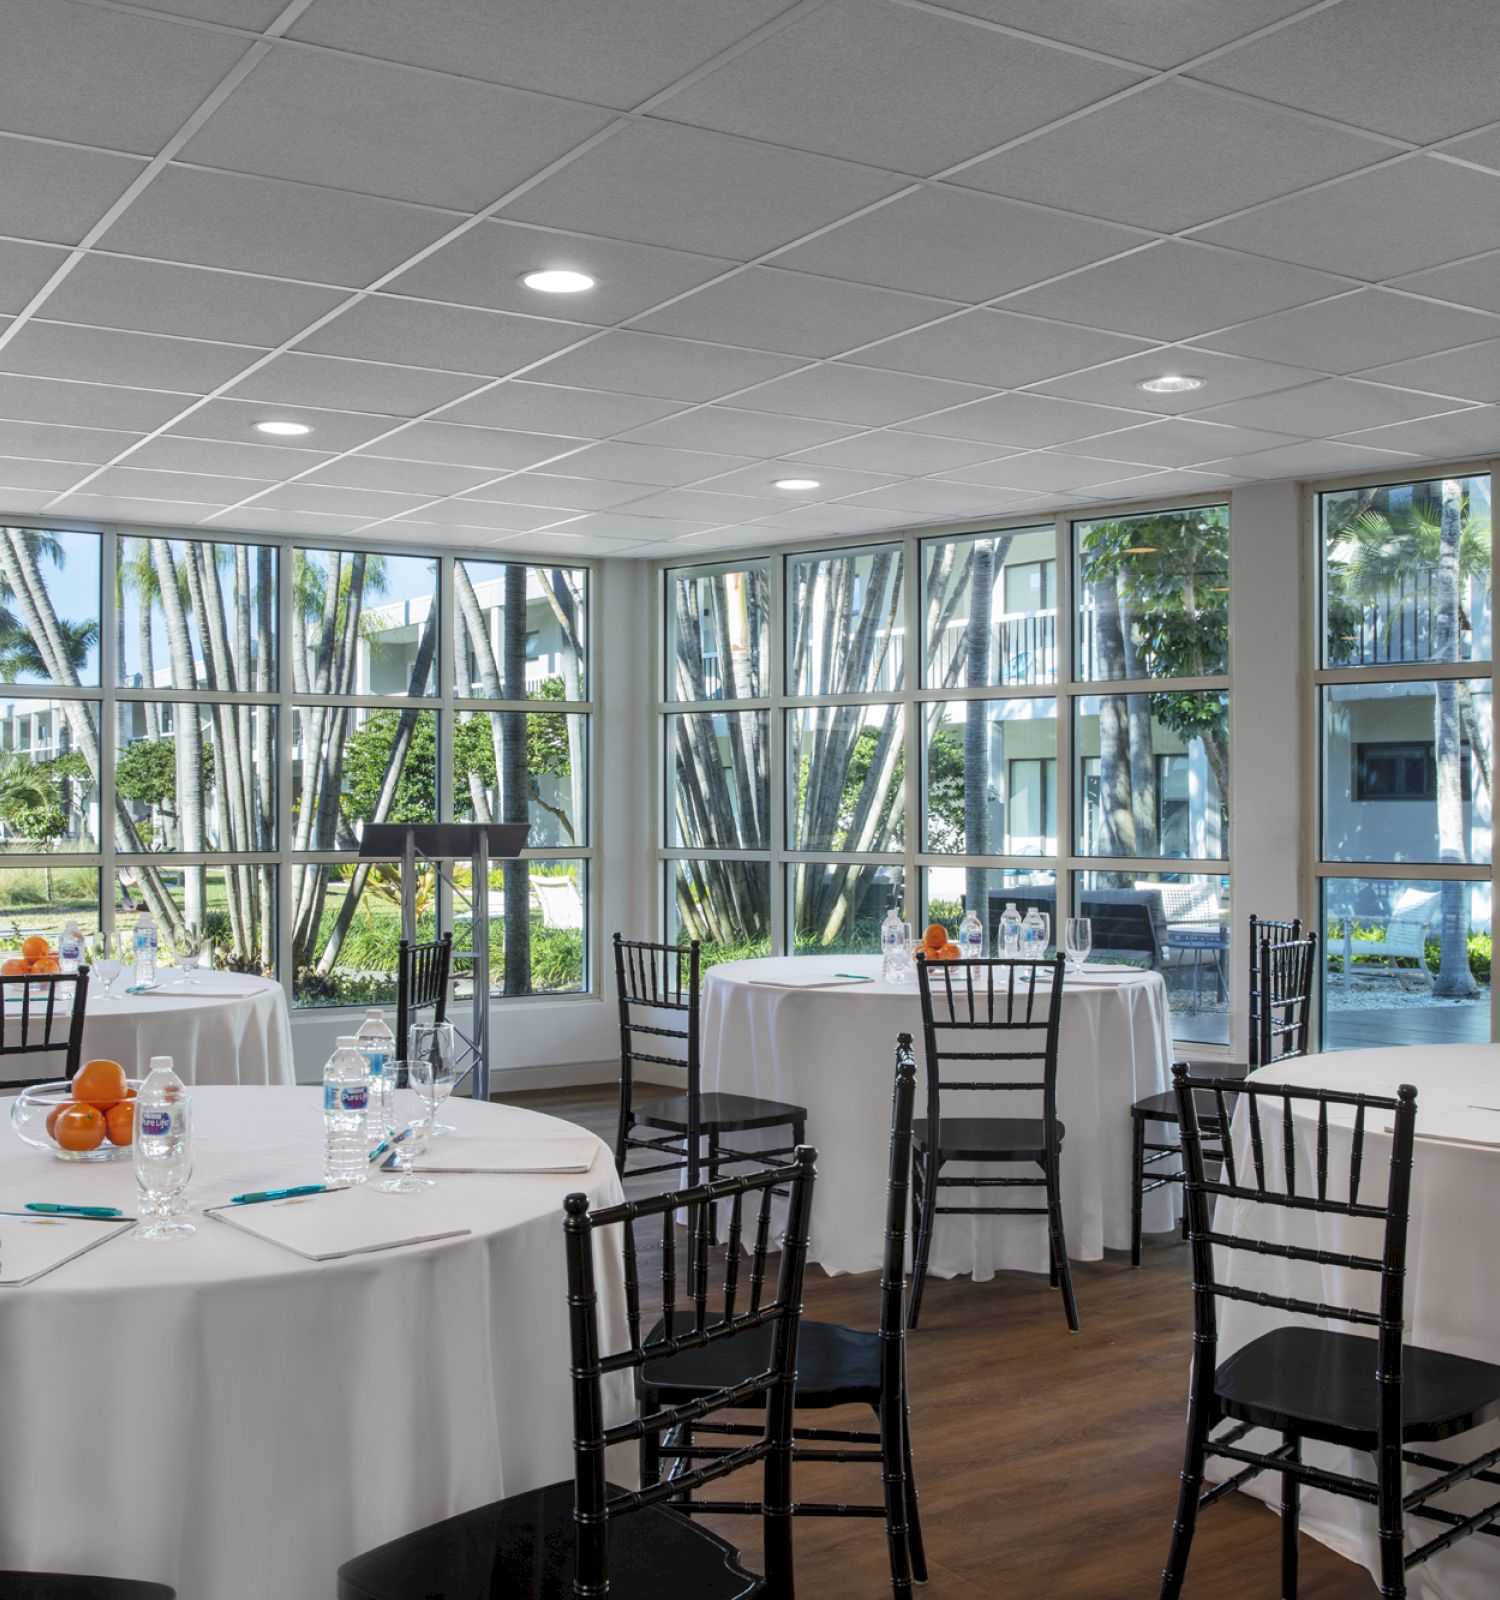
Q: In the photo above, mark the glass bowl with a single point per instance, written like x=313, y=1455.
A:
x=28, y=1116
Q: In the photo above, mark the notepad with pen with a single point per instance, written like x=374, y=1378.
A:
x=339, y=1222
x=31, y=1246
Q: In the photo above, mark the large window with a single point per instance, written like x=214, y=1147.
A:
x=1406, y=739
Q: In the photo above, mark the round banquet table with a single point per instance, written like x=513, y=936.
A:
x=229, y=1027
x=1452, y=1293
x=833, y=1051
x=224, y=1416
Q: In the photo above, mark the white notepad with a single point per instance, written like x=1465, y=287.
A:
x=811, y=980
x=1478, y=1127
x=32, y=1246
x=342, y=1222
x=466, y=1152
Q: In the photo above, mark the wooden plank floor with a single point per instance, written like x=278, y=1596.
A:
x=1047, y=1462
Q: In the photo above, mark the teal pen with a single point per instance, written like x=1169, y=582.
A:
x=380, y=1149
x=73, y=1211
x=856, y=977
x=279, y=1194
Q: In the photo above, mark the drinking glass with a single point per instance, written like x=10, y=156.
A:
x=106, y=958
x=163, y=1166
x=408, y=1101
x=187, y=947
x=1080, y=940
x=434, y=1043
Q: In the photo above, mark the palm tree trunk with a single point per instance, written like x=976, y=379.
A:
x=976, y=726
x=1455, y=980
x=186, y=740
x=1116, y=836
x=511, y=768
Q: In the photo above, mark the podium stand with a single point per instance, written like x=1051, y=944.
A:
x=441, y=844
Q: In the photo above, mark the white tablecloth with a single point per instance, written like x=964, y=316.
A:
x=833, y=1051
x=1452, y=1290
x=224, y=1416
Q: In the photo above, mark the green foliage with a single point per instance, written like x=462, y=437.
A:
x=1479, y=948
x=546, y=742
x=146, y=772
x=945, y=789
x=367, y=760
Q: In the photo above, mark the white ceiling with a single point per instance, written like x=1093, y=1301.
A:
x=921, y=252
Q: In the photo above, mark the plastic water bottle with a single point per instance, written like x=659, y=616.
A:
x=346, y=1103
x=892, y=946
x=377, y=1044
x=1010, y=930
x=145, y=948
x=971, y=937
x=163, y=1146
x=1034, y=936
x=70, y=947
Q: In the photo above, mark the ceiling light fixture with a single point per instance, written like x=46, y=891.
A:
x=1170, y=383
x=284, y=429
x=558, y=280
x=797, y=483
x=1140, y=549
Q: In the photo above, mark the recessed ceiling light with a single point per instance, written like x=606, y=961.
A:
x=558, y=280
x=1140, y=549
x=287, y=429
x=1170, y=383
x=797, y=483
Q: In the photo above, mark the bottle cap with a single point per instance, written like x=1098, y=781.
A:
x=161, y=1061
x=374, y=1014
x=347, y=1041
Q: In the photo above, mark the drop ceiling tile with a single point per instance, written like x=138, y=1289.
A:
x=1314, y=458
x=144, y=483
x=105, y=355
x=746, y=433
x=234, y=421
x=86, y=405
x=56, y=194
x=1333, y=405
x=426, y=478
x=451, y=338
x=645, y=463
x=455, y=445
x=1482, y=149
x=190, y=302
x=621, y=525
x=224, y=458
x=338, y=384
x=685, y=189
x=17, y=472
x=330, y=500
x=1470, y=283
x=475, y=514
x=1156, y=484
x=933, y=497
x=52, y=442
x=889, y=451
x=759, y=478
x=484, y=267
x=554, y=491
x=556, y=408
x=291, y=230
x=1460, y=433
x=256, y=15
x=911, y=91
x=1044, y=471
x=1225, y=378
x=1179, y=442
x=668, y=369
x=704, y=508
x=24, y=268
x=122, y=508
x=998, y=348
x=610, y=54
x=1472, y=374
x=254, y=519
x=1446, y=212
x=559, y=542
x=828, y=519
x=20, y=502
x=352, y=123
x=91, y=76
x=1022, y=421
x=1176, y=290
x=958, y=244
x=1338, y=63
x=856, y=394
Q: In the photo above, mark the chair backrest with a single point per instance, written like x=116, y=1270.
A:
x=1404, y=936
x=733, y=1313
x=1277, y=931
x=658, y=986
x=422, y=973
x=1282, y=1025
x=559, y=902
x=1273, y=1180
x=897, y=1206
x=1014, y=1006
x=43, y=1015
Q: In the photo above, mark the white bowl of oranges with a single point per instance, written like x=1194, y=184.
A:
x=37, y=958
x=90, y=1119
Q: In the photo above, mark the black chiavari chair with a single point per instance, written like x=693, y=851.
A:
x=65, y=1586
x=660, y=991
x=1015, y=1005
x=1361, y=1392
x=586, y=1537
x=836, y=1366
x=43, y=1015
x=422, y=974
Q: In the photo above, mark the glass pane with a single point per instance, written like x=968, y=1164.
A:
x=848, y=632
x=1153, y=595
x=846, y=780
x=718, y=632
x=989, y=609
x=1407, y=961
x=1177, y=923
x=49, y=765
x=353, y=765
x=520, y=632
x=235, y=907
x=1153, y=775
x=952, y=890
x=363, y=624
x=43, y=900
x=990, y=782
x=538, y=914
x=195, y=777
x=838, y=907
x=549, y=787
x=1406, y=771
x=194, y=615
x=720, y=780
x=346, y=930
x=49, y=606
x=725, y=904
x=1406, y=573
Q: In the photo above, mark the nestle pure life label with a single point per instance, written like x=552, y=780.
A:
x=348, y=1097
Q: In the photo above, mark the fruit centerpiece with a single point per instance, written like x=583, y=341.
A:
x=90, y=1119
x=37, y=958
x=937, y=946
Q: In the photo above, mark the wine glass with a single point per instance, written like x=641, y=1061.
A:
x=408, y=1102
x=187, y=947
x=435, y=1044
x=1079, y=939
x=106, y=958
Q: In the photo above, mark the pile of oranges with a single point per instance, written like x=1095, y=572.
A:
x=102, y=1107
x=937, y=946
x=36, y=957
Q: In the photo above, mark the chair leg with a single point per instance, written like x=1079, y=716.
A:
x=650, y=1459
x=1189, y=1488
x=1291, y=1515
x=1391, y=1529
x=1059, y=1238
x=924, y=1201
x=684, y=1438
x=622, y=1134
x=893, y=1487
x=1137, y=1185
x=913, y=1520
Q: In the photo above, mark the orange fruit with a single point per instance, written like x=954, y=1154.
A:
x=35, y=947
x=45, y=965
x=80, y=1128
x=949, y=952
x=119, y=1122
x=15, y=968
x=936, y=936
x=54, y=1114
x=100, y=1083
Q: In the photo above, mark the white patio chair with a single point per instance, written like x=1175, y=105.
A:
x=1404, y=939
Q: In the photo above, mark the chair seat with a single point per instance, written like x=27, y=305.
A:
x=66, y=1586
x=987, y=1138
x=1163, y=1108
x=1321, y=1385
x=523, y=1549
x=836, y=1366
x=718, y=1113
